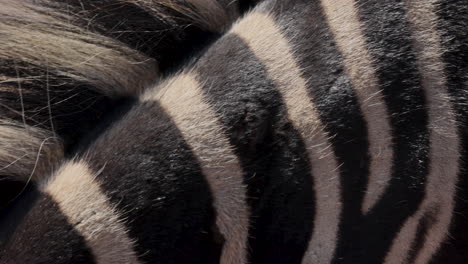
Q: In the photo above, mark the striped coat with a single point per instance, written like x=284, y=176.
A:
x=329, y=131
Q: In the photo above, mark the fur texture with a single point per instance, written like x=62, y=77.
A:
x=65, y=64
x=263, y=150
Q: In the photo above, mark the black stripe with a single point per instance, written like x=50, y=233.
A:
x=272, y=154
x=452, y=24
x=153, y=178
x=389, y=44
x=34, y=230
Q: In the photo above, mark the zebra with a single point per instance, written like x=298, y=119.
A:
x=329, y=131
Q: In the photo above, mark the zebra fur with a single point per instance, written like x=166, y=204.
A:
x=329, y=131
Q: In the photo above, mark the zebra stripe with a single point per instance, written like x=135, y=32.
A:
x=444, y=149
x=153, y=178
x=87, y=208
x=343, y=21
x=221, y=167
x=264, y=38
x=333, y=94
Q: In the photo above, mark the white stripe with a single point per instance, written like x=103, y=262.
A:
x=182, y=99
x=444, y=148
x=344, y=23
x=267, y=42
x=81, y=200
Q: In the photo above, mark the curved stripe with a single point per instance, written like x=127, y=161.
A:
x=87, y=208
x=344, y=23
x=445, y=143
x=271, y=47
x=182, y=99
